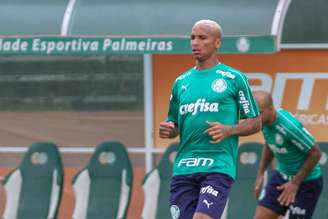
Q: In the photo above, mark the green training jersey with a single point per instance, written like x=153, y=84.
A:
x=290, y=143
x=219, y=94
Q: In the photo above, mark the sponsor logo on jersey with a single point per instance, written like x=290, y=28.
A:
x=219, y=85
x=244, y=102
x=298, y=144
x=279, y=139
x=208, y=204
x=184, y=87
x=183, y=76
x=209, y=190
x=195, y=162
x=297, y=210
x=199, y=106
x=226, y=74
x=281, y=129
x=277, y=150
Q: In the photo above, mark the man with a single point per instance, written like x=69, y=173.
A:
x=205, y=105
x=296, y=183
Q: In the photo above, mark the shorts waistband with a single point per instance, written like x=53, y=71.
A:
x=286, y=177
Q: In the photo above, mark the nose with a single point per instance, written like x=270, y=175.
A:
x=194, y=42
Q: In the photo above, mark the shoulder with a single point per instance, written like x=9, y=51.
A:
x=286, y=115
x=295, y=128
x=288, y=118
x=184, y=75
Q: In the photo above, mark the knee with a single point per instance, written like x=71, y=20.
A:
x=198, y=215
x=259, y=215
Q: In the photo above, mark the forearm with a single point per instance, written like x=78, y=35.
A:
x=247, y=127
x=175, y=132
x=266, y=159
x=168, y=129
x=309, y=164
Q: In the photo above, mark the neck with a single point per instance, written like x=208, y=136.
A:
x=273, y=117
x=208, y=63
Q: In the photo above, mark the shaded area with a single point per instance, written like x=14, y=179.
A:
x=306, y=22
x=71, y=83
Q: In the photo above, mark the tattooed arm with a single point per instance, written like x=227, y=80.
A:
x=218, y=131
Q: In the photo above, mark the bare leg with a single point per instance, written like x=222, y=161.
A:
x=265, y=213
x=199, y=215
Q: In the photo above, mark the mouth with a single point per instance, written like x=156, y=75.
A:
x=195, y=51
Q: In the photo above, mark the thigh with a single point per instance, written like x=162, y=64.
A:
x=213, y=194
x=184, y=194
x=306, y=199
x=265, y=213
x=269, y=196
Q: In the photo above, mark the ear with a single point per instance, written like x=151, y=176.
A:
x=218, y=43
x=271, y=109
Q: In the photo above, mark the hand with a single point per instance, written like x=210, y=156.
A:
x=167, y=130
x=258, y=185
x=217, y=131
x=289, y=191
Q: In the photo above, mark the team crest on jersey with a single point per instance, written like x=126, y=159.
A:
x=175, y=211
x=219, y=85
x=279, y=140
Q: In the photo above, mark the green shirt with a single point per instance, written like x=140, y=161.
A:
x=219, y=94
x=290, y=143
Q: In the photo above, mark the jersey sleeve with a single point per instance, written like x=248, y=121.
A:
x=173, y=105
x=247, y=105
x=298, y=134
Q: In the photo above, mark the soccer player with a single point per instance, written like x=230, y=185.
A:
x=205, y=105
x=296, y=183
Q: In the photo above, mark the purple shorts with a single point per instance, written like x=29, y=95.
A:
x=305, y=201
x=200, y=192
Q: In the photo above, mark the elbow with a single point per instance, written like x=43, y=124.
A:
x=258, y=124
x=319, y=154
x=316, y=152
x=255, y=125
